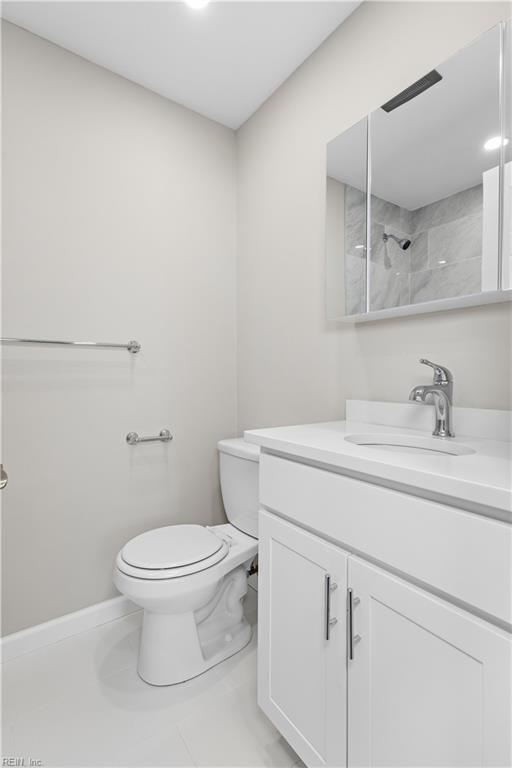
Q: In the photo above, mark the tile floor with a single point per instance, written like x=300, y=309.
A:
x=80, y=702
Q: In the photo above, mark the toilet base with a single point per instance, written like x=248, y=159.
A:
x=177, y=647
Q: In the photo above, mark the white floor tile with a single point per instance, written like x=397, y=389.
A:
x=235, y=733
x=80, y=702
x=85, y=726
x=8, y=743
x=45, y=675
x=168, y=750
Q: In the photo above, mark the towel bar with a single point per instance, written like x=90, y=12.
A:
x=132, y=346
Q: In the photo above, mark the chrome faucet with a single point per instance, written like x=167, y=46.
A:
x=441, y=394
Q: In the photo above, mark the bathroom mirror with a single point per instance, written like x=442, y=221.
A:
x=418, y=193
x=346, y=214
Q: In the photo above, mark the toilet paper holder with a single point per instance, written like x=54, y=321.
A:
x=132, y=438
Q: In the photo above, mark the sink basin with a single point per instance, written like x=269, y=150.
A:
x=429, y=446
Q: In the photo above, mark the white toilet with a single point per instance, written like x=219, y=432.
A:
x=191, y=579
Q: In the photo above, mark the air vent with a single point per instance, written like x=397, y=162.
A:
x=413, y=90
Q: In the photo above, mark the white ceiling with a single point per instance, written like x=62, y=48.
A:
x=432, y=146
x=222, y=61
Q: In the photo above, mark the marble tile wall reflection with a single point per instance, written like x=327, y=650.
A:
x=443, y=261
x=355, y=251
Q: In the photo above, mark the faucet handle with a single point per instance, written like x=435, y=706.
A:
x=441, y=374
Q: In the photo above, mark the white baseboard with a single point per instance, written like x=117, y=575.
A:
x=32, y=638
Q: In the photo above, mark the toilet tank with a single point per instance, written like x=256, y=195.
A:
x=239, y=470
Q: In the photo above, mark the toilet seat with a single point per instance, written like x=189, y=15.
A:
x=171, y=551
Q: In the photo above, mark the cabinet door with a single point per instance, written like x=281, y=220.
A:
x=428, y=684
x=302, y=662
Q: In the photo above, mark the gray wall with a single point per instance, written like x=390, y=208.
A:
x=293, y=366
x=119, y=223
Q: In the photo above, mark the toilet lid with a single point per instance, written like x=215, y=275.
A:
x=173, y=546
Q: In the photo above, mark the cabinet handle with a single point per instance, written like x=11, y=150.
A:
x=351, y=638
x=329, y=589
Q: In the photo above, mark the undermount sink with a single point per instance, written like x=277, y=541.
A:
x=429, y=446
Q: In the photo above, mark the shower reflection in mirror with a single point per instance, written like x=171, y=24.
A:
x=423, y=185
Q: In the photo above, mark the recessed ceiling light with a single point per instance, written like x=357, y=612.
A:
x=495, y=143
x=197, y=4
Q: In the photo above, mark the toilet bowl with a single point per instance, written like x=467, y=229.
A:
x=191, y=579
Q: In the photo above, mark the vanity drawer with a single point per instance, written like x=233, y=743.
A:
x=461, y=554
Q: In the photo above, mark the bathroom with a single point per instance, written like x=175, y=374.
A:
x=177, y=180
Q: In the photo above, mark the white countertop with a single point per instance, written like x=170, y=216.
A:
x=479, y=482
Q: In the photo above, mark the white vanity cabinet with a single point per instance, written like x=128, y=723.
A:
x=417, y=670
x=428, y=684
x=414, y=674
x=403, y=679
x=301, y=640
